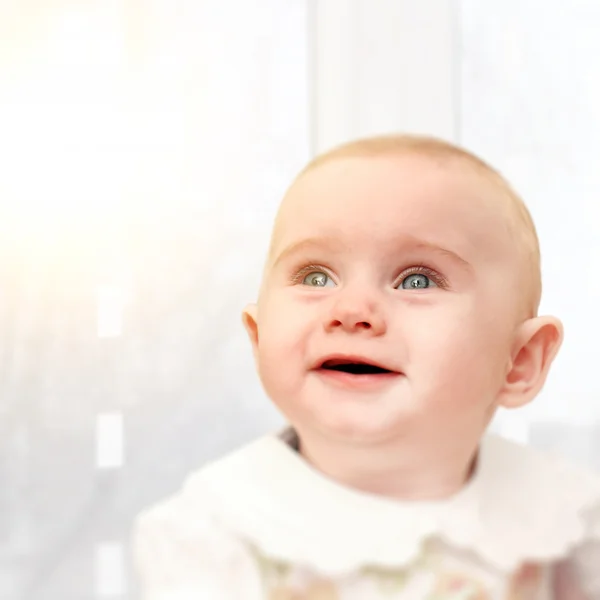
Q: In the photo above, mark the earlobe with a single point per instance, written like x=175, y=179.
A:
x=536, y=345
x=250, y=321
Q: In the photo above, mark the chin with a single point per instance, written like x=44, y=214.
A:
x=357, y=428
x=367, y=418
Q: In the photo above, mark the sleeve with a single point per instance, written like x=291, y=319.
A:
x=579, y=576
x=585, y=565
x=179, y=557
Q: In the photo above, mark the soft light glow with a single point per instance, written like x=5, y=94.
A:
x=109, y=570
x=111, y=302
x=109, y=441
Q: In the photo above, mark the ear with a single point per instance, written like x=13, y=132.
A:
x=250, y=321
x=536, y=345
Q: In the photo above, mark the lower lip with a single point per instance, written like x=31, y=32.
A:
x=363, y=381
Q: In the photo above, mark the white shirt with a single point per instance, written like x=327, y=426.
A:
x=262, y=523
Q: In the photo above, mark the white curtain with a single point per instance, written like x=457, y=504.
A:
x=144, y=146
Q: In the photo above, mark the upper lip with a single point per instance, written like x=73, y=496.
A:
x=341, y=359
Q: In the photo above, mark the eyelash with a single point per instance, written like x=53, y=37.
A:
x=298, y=276
x=437, y=278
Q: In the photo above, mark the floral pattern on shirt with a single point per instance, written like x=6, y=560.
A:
x=446, y=585
x=454, y=586
x=526, y=584
x=318, y=590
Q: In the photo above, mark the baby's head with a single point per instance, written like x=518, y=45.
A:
x=400, y=296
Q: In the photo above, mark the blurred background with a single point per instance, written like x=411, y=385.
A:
x=144, y=147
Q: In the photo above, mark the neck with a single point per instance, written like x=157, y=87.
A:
x=404, y=469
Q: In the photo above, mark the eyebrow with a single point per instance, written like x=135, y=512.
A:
x=316, y=243
x=453, y=256
x=326, y=243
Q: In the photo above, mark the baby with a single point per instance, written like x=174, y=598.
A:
x=397, y=313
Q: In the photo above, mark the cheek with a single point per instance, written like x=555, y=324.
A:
x=283, y=340
x=286, y=322
x=464, y=354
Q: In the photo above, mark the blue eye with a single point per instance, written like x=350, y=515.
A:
x=318, y=279
x=417, y=281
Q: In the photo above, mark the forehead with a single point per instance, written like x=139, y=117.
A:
x=373, y=202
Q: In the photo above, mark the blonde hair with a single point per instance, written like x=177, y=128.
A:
x=521, y=222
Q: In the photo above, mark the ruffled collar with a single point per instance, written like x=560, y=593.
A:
x=519, y=506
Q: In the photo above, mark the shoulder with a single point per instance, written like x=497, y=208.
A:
x=550, y=506
x=194, y=503
x=182, y=549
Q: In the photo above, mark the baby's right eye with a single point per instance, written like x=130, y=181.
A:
x=318, y=279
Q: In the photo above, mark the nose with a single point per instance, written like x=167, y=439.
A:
x=354, y=313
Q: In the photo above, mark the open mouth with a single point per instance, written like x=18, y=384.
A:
x=354, y=368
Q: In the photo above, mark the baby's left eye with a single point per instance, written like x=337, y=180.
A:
x=318, y=279
x=417, y=281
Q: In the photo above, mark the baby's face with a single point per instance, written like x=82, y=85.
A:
x=401, y=265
